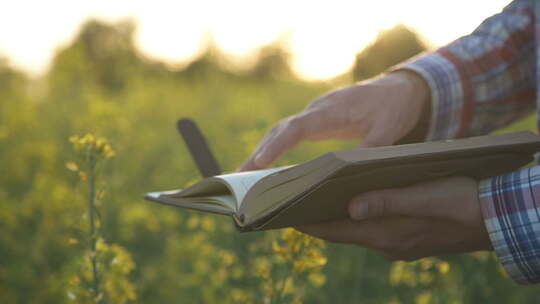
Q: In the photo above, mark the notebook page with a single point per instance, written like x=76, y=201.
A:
x=241, y=182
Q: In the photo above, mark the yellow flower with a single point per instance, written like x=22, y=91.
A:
x=443, y=267
x=318, y=279
x=100, y=194
x=75, y=280
x=227, y=258
x=193, y=222
x=424, y=298
x=299, y=266
x=426, y=277
x=72, y=166
x=426, y=263
x=98, y=146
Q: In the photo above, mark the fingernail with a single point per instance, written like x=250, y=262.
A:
x=359, y=211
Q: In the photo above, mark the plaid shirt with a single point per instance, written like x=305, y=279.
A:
x=482, y=82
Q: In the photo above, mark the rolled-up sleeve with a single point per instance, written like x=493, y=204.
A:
x=483, y=81
x=511, y=208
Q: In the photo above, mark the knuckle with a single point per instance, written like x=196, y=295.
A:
x=293, y=122
x=276, y=128
x=383, y=205
x=387, y=203
x=379, y=204
x=296, y=124
x=284, y=122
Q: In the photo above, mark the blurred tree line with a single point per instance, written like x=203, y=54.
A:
x=101, y=84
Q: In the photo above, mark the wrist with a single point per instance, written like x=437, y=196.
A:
x=481, y=240
x=416, y=95
x=416, y=87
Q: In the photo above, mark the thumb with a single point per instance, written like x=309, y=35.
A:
x=381, y=204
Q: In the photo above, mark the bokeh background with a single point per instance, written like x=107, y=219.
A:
x=127, y=70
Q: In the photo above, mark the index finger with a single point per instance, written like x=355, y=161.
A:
x=282, y=138
x=250, y=163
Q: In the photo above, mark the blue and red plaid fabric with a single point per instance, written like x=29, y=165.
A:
x=482, y=82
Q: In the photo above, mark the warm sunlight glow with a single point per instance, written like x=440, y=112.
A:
x=323, y=36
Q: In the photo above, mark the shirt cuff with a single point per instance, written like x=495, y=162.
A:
x=447, y=98
x=510, y=206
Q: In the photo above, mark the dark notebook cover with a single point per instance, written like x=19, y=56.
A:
x=320, y=190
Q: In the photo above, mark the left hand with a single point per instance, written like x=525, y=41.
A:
x=433, y=218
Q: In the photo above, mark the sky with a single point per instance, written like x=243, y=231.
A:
x=322, y=36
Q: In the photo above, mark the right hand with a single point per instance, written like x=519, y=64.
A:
x=380, y=111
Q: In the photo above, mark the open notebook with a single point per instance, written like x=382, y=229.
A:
x=219, y=194
x=319, y=190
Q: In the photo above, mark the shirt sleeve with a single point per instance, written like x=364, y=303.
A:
x=510, y=205
x=479, y=83
x=483, y=81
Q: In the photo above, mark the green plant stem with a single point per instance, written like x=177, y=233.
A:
x=359, y=264
x=91, y=208
x=289, y=275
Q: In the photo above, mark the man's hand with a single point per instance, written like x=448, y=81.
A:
x=381, y=111
x=434, y=218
